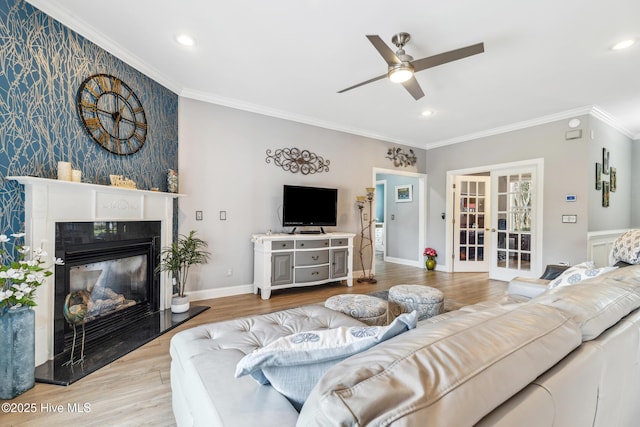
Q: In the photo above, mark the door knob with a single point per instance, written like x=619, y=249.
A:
x=493, y=230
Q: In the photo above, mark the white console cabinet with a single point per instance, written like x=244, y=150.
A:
x=289, y=260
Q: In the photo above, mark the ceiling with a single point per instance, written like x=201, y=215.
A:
x=544, y=60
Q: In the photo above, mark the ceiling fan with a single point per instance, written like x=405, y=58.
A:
x=402, y=67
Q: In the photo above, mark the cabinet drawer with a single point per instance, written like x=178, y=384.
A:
x=339, y=242
x=312, y=257
x=310, y=244
x=311, y=274
x=277, y=245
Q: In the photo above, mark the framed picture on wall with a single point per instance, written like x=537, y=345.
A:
x=598, y=176
x=404, y=193
x=613, y=179
x=605, y=161
x=605, y=194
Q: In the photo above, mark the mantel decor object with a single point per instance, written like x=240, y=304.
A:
x=295, y=160
x=366, y=237
x=399, y=158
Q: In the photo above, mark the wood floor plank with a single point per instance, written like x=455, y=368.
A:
x=135, y=390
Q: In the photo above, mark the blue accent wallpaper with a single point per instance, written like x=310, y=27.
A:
x=42, y=64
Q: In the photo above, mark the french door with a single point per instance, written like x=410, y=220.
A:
x=471, y=225
x=514, y=242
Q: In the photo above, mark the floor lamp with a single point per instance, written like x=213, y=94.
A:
x=366, y=238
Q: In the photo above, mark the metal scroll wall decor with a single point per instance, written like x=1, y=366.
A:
x=400, y=158
x=295, y=160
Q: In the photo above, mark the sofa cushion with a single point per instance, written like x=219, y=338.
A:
x=597, y=303
x=294, y=364
x=578, y=273
x=463, y=367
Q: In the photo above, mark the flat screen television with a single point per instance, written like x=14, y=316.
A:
x=309, y=206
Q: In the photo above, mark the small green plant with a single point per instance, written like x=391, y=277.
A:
x=188, y=250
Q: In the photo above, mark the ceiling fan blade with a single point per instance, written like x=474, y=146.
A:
x=443, y=58
x=384, y=50
x=413, y=88
x=364, y=83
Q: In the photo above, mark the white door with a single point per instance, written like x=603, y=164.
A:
x=471, y=235
x=513, y=226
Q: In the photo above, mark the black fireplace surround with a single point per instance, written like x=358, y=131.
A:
x=114, y=262
x=93, y=252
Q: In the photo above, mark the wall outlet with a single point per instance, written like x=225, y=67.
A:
x=198, y=215
x=230, y=272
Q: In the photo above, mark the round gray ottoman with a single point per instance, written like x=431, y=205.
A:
x=427, y=301
x=365, y=308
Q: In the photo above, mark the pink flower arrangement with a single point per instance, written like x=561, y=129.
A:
x=430, y=252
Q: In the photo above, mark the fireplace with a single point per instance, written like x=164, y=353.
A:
x=111, y=265
x=101, y=222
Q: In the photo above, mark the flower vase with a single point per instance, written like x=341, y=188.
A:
x=17, y=352
x=430, y=264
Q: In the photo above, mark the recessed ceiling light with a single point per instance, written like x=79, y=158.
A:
x=427, y=113
x=185, y=40
x=623, y=44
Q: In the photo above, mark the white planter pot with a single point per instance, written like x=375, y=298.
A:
x=179, y=304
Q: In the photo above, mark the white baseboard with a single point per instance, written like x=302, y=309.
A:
x=402, y=261
x=220, y=292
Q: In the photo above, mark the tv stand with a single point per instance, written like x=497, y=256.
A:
x=283, y=261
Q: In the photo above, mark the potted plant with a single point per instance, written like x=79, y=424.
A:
x=188, y=250
x=431, y=255
x=22, y=271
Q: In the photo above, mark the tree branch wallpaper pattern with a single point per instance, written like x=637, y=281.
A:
x=42, y=64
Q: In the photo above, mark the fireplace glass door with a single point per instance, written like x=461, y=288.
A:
x=112, y=285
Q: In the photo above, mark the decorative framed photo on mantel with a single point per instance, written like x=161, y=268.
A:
x=404, y=193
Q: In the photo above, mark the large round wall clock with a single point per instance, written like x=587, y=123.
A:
x=112, y=114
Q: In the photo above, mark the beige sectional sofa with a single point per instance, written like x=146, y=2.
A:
x=568, y=357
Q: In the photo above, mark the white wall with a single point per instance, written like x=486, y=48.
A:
x=618, y=214
x=401, y=219
x=222, y=167
x=569, y=169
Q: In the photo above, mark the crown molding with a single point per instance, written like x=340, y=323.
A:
x=285, y=115
x=65, y=17
x=563, y=115
x=607, y=118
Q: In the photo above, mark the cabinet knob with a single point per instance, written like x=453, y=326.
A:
x=301, y=244
x=315, y=258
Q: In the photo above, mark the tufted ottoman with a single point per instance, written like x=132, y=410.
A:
x=365, y=308
x=204, y=359
x=427, y=301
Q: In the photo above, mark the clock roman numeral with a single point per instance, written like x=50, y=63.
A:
x=93, y=123
x=115, y=85
x=103, y=83
x=141, y=125
x=139, y=137
x=103, y=138
x=86, y=105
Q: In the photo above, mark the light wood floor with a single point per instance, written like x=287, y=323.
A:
x=135, y=390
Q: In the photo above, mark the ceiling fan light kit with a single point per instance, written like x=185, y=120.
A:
x=400, y=73
x=402, y=67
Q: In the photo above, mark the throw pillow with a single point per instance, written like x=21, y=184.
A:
x=577, y=273
x=295, y=363
x=626, y=248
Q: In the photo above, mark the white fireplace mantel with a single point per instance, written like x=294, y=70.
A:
x=48, y=201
